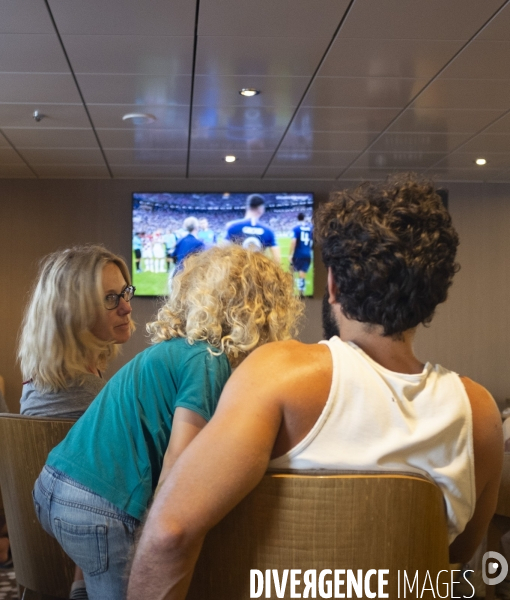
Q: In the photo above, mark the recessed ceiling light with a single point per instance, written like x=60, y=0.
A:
x=481, y=161
x=139, y=118
x=230, y=158
x=248, y=92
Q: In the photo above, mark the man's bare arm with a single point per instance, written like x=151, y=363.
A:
x=488, y=450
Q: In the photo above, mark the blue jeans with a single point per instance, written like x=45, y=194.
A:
x=96, y=535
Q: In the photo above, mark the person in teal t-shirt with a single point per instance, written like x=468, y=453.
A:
x=97, y=484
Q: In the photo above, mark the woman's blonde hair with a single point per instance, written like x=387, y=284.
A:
x=235, y=299
x=56, y=344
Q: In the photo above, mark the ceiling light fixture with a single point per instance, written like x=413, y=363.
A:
x=480, y=162
x=249, y=92
x=230, y=158
x=139, y=118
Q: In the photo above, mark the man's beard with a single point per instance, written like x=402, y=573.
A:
x=329, y=324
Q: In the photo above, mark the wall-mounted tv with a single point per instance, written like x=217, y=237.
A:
x=168, y=225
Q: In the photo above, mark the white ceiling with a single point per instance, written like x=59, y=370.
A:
x=350, y=89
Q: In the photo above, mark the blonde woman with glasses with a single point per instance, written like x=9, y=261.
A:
x=78, y=313
x=97, y=484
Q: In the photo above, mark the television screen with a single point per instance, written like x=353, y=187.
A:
x=167, y=226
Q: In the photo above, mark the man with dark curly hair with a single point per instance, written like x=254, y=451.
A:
x=361, y=401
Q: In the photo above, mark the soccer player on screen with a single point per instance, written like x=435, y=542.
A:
x=300, y=256
x=205, y=233
x=170, y=240
x=251, y=234
x=137, y=249
x=187, y=244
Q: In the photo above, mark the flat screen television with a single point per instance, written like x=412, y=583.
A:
x=162, y=219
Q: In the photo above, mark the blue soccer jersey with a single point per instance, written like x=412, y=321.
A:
x=245, y=231
x=185, y=246
x=303, y=235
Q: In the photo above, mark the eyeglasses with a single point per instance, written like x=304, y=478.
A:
x=111, y=301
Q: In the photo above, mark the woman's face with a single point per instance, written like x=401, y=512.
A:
x=113, y=325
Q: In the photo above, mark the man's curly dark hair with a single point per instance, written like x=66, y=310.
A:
x=391, y=248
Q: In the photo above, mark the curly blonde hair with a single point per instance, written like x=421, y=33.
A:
x=55, y=341
x=232, y=298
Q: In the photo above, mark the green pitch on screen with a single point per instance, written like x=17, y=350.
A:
x=156, y=284
x=150, y=284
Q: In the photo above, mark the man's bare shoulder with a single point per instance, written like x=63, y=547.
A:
x=487, y=433
x=293, y=347
x=485, y=411
x=290, y=355
x=283, y=370
x=474, y=388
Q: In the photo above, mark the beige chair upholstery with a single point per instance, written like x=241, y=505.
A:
x=39, y=562
x=500, y=522
x=342, y=521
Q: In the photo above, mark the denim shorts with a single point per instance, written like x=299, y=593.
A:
x=97, y=536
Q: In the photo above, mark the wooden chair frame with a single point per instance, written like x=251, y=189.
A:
x=39, y=562
x=339, y=521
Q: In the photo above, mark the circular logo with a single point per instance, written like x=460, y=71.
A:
x=491, y=563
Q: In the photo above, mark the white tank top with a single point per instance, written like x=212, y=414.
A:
x=379, y=420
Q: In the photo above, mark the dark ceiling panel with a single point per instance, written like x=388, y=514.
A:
x=156, y=55
x=326, y=118
x=466, y=94
x=444, y=120
x=38, y=87
x=167, y=117
x=370, y=92
x=266, y=18
x=407, y=58
x=208, y=138
x=217, y=91
x=431, y=20
x=24, y=16
x=56, y=116
x=124, y=17
x=31, y=53
x=240, y=120
x=259, y=56
x=142, y=88
x=348, y=88
x=146, y=138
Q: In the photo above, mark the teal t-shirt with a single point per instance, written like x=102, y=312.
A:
x=117, y=447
